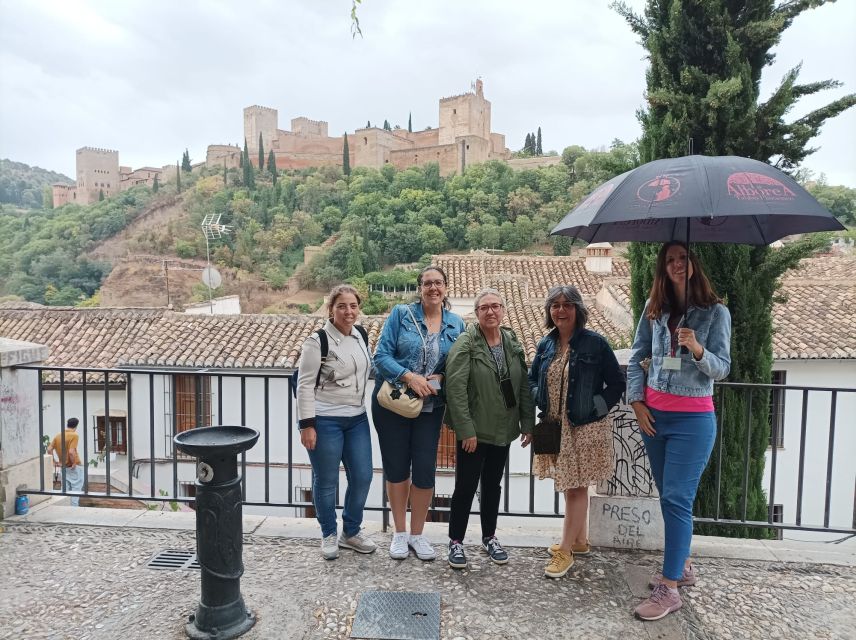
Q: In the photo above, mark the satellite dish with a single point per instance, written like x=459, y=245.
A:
x=211, y=277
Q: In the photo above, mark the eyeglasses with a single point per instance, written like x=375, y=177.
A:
x=427, y=284
x=556, y=306
x=495, y=307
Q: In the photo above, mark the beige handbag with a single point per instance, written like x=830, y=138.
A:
x=400, y=400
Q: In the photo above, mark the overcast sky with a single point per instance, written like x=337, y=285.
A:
x=153, y=78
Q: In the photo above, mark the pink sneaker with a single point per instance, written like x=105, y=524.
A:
x=688, y=578
x=660, y=603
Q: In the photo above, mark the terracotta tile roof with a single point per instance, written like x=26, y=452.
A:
x=621, y=292
x=107, y=338
x=826, y=268
x=467, y=272
x=815, y=321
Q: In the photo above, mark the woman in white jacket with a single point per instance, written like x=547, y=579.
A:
x=334, y=428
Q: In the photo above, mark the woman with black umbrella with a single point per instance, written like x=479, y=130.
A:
x=674, y=407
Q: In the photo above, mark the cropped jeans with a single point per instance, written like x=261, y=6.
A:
x=678, y=453
x=345, y=440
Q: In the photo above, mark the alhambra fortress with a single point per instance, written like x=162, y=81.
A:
x=463, y=137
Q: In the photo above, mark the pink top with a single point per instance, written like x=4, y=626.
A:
x=663, y=401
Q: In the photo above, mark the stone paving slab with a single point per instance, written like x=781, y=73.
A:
x=89, y=582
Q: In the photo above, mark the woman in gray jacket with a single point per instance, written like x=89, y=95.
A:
x=334, y=428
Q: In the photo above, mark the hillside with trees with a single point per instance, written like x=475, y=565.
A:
x=27, y=187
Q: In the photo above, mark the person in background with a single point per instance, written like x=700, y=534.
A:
x=487, y=391
x=412, y=349
x=575, y=380
x=64, y=445
x=334, y=426
x=674, y=407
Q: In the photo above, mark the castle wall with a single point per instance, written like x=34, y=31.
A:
x=445, y=155
x=218, y=154
x=63, y=194
x=97, y=171
x=309, y=128
x=144, y=175
x=372, y=147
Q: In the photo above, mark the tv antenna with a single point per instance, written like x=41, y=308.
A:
x=213, y=230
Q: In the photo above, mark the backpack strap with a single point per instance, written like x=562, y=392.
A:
x=325, y=348
x=363, y=333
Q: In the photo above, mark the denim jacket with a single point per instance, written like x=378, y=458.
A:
x=712, y=326
x=399, y=349
x=595, y=381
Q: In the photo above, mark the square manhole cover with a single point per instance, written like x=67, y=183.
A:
x=397, y=615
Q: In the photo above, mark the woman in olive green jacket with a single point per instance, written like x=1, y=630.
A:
x=488, y=401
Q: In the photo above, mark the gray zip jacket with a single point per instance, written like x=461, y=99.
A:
x=344, y=373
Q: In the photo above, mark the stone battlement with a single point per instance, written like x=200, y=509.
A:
x=97, y=150
x=257, y=107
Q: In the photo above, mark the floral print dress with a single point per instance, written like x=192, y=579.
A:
x=585, y=455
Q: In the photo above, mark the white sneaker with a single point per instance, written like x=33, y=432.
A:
x=359, y=542
x=330, y=547
x=423, y=548
x=398, y=548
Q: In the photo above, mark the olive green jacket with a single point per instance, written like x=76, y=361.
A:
x=475, y=404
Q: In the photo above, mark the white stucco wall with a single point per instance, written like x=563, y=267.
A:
x=817, y=373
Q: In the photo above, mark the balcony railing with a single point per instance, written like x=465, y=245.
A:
x=823, y=448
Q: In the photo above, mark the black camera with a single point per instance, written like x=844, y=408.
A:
x=507, y=390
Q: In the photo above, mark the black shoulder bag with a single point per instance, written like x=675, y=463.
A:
x=547, y=436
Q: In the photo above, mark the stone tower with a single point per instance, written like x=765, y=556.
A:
x=97, y=171
x=465, y=115
x=258, y=120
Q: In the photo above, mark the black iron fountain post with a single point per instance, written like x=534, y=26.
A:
x=221, y=613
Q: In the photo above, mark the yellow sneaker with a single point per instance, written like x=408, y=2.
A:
x=578, y=549
x=559, y=564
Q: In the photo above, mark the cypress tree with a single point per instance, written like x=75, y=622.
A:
x=703, y=89
x=539, y=151
x=155, y=185
x=177, y=178
x=261, y=153
x=225, y=183
x=386, y=125
x=368, y=124
x=100, y=195
x=272, y=165
x=185, y=162
x=346, y=157
x=527, y=144
x=249, y=174
x=410, y=122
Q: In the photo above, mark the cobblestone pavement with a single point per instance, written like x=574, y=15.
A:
x=67, y=581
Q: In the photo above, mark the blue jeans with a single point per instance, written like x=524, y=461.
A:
x=74, y=482
x=345, y=440
x=678, y=454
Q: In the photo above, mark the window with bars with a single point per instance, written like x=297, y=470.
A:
x=440, y=500
x=192, y=402
x=118, y=434
x=777, y=411
x=304, y=494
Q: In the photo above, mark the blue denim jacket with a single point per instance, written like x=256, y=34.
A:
x=712, y=326
x=595, y=381
x=399, y=349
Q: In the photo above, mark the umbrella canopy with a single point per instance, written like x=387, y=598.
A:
x=699, y=198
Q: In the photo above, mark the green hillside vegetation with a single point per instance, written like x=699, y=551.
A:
x=378, y=219
x=24, y=186
x=43, y=253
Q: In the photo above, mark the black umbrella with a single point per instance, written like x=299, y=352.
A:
x=726, y=199
x=704, y=198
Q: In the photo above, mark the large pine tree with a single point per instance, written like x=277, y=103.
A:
x=703, y=83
